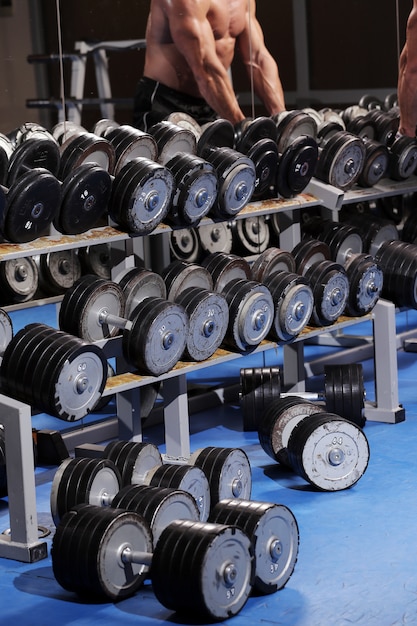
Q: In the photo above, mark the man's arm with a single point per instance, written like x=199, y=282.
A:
x=407, y=78
x=193, y=36
x=260, y=64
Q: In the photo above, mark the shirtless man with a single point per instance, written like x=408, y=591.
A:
x=407, y=79
x=190, y=46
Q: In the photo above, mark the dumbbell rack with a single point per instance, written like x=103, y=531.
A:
x=21, y=541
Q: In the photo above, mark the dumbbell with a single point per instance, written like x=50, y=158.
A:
x=292, y=295
x=398, y=260
x=141, y=464
x=327, y=450
x=341, y=159
x=374, y=230
x=57, y=271
x=55, y=372
x=328, y=280
x=227, y=471
x=346, y=248
x=96, y=259
x=236, y=172
x=274, y=535
x=256, y=138
x=98, y=481
x=195, y=179
x=19, y=280
x=141, y=188
x=344, y=392
x=85, y=188
x=154, y=336
x=191, y=286
x=251, y=308
x=213, y=581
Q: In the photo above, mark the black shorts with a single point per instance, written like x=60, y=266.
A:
x=154, y=102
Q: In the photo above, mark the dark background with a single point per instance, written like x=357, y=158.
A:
x=351, y=45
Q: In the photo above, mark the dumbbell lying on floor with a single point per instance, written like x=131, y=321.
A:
x=256, y=549
x=327, y=450
x=212, y=474
x=344, y=392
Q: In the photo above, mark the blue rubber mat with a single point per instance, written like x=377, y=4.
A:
x=357, y=553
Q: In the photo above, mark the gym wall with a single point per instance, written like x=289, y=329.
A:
x=324, y=48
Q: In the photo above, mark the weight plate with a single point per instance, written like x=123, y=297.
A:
x=58, y=271
x=259, y=386
x=386, y=126
x=236, y=175
x=250, y=235
x=208, y=315
x=85, y=197
x=202, y=569
x=103, y=126
x=272, y=260
x=215, y=237
x=33, y=154
x=253, y=130
x=101, y=570
x=181, y=275
x=293, y=300
x=117, y=578
x=344, y=391
x=6, y=330
x=293, y=124
x=86, y=148
x=251, y=313
x=79, y=383
x=172, y=139
x=226, y=268
x=365, y=285
x=403, y=158
x=195, y=188
x=296, y=166
x=236, y=189
x=96, y=259
x=158, y=505
x=329, y=452
x=227, y=470
x=341, y=161
x=138, y=284
x=146, y=198
x=217, y=134
x=19, y=361
x=363, y=127
x=343, y=241
x=96, y=299
x=330, y=286
x=376, y=164
x=308, y=252
x=130, y=143
x=81, y=480
x=31, y=206
x=65, y=129
x=158, y=335
x=264, y=154
x=332, y=116
x=19, y=279
x=179, y=118
x=189, y=478
x=134, y=460
x=274, y=534
x=278, y=421
x=184, y=244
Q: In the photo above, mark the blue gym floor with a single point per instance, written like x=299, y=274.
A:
x=357, y=561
